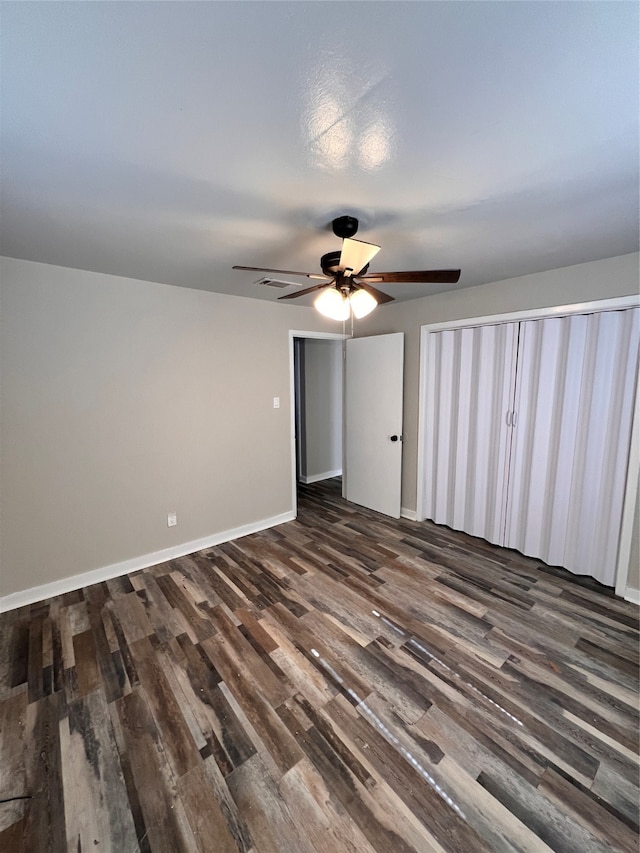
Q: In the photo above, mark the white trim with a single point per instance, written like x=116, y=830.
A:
x=632, y=595
x=293, y=333
x=408, y=513
x=618, y=303
x=315, y=478
x=422, y=392
x=629, y=505
x=48, y=590
x=332, y=336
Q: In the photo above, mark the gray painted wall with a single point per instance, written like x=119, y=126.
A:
x=323, y=408
x=123, y=400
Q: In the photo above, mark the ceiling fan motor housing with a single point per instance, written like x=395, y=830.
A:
x=330, y=264
x=345, y=226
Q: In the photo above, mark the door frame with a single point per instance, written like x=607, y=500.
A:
x=633, y=470
x=293, y=334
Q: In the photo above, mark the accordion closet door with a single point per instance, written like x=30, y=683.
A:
x=527, y=434
x=470, y=383
x=570, y=447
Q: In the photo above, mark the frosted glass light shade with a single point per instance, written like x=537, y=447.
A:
x=362, y=303
x=332, y=304
x=356, y=254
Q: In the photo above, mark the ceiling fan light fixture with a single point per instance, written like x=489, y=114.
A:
x=332, y=304
x=362, y=303
x=347, y=288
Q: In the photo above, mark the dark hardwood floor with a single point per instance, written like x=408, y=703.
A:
x=344, y=682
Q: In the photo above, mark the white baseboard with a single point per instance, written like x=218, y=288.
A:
x=632, y=595
x=411, y=514
x=314, y=478
x=48, y=590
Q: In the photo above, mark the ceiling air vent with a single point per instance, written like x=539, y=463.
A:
x=276, y=282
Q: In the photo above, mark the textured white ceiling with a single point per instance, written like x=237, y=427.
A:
x=168, y=141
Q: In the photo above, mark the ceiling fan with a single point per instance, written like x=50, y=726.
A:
x=346, y=284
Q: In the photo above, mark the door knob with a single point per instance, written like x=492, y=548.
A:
x=394, y=438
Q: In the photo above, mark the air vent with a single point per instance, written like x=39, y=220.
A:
x=275, y=282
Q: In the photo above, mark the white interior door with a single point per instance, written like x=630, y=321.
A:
x=373, y=422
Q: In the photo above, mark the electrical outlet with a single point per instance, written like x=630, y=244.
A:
x=276, y=402
x=172, y=519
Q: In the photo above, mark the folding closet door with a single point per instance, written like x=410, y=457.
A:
x=469, y=389
x=573, y=406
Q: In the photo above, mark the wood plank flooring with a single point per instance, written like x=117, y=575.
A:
x=344, y=682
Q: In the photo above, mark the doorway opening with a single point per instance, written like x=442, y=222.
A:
x=317, y=395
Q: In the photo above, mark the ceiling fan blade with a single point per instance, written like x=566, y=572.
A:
x=306, y=290
x=415, y=277
x=356, y=255
x=284, y=272
x=378, y=295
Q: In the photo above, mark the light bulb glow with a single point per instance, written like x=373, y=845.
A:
x=362, y=303
x=332, y=304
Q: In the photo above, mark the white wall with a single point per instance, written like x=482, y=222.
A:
x=123, y=400
x=322, y=409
